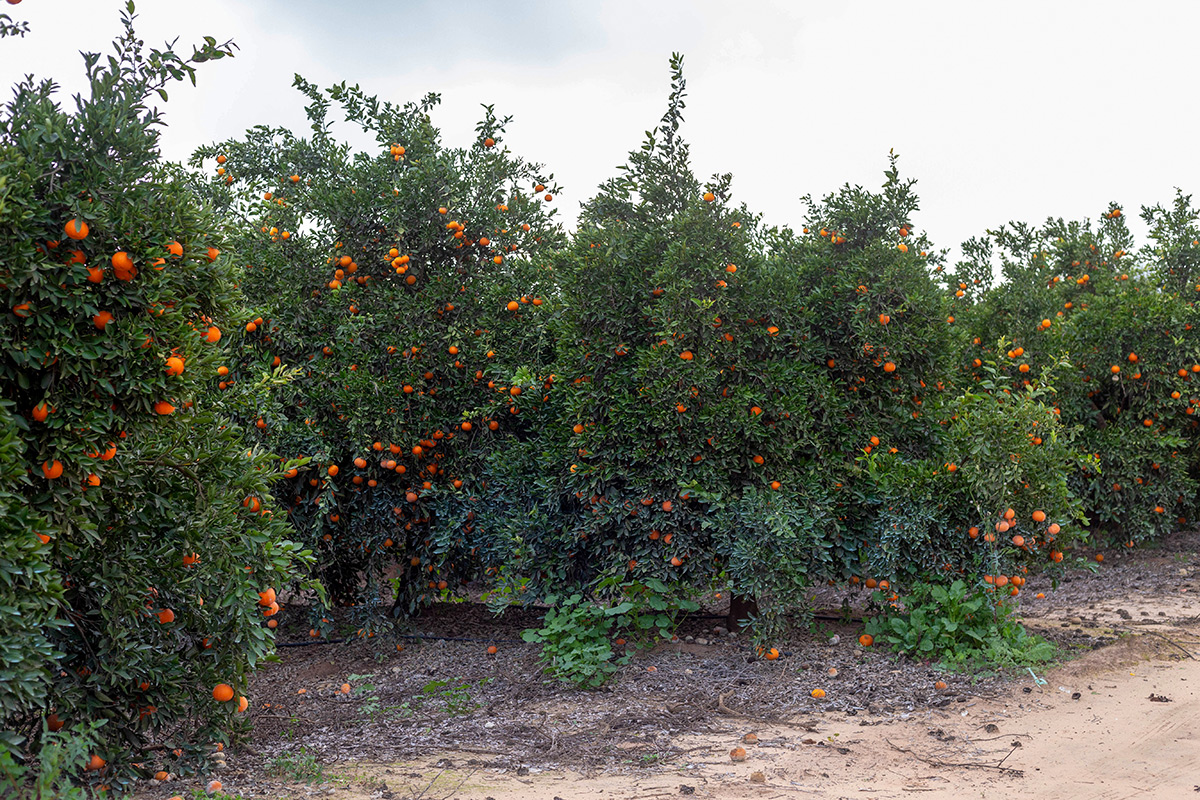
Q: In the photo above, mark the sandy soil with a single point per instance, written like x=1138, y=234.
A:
x=1117, y=721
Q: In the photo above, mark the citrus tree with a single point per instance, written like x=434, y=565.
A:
x=406, y=286
x=136, y=511
x=1125, y=319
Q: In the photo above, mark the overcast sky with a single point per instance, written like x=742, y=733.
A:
x=1000, y=110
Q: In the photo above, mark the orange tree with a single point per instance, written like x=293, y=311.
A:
x=721, y=378
x=134, y=509
x=405, y=284
x=1125, y=319
x=686, y=386
x=882, y=337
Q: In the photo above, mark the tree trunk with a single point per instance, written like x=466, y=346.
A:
x=741, y=608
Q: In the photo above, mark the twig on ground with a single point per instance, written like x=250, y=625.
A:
x=934, y=762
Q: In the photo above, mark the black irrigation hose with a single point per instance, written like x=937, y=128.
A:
x=417, y=637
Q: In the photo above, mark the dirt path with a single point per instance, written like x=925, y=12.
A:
x=443, y=720
x=1120, y=722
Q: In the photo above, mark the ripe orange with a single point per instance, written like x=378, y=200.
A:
x=163, y=408
x=52, y=469
x=174, y=365
x=95, y=763
x=76, y=229
x=102, y=319
x=818, y=693
x=866, y=640
x=222, y=692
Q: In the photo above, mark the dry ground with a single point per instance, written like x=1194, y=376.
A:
x=442, y=719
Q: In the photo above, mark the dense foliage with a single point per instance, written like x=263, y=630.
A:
x=137, y=529
x=440, y=391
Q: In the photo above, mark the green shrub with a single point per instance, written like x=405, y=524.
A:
x=578, y=633
x=958, y=625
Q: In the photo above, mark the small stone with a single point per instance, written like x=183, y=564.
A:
x=720, y=631
x=689, y=638
x=687, y=672
x=757, y=777
x=701, y=640
x=834, y=639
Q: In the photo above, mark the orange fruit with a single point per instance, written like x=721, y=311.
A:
x=866, y=640
x=163, y=408
x=52, y=469
x=95, y=763
x=41, y=411
x=818, y=693
x=222, y=692
x=76, y=229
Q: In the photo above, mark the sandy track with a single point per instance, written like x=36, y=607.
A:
x=1110, y=743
